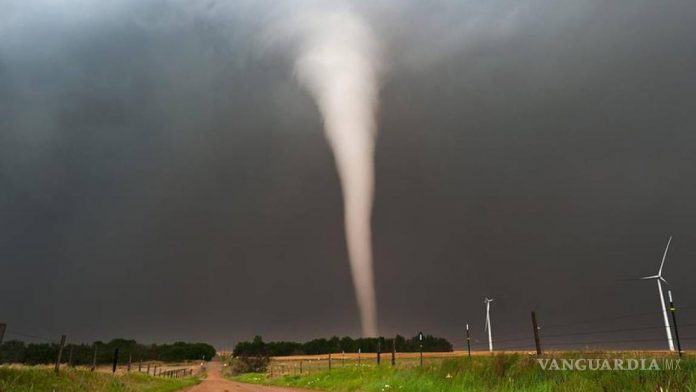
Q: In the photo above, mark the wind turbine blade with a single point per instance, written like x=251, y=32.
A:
x=664, y=256
x=650, y=277
x=664, y=280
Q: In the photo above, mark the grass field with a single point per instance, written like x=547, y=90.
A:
x=502, y=372
x=40, y=379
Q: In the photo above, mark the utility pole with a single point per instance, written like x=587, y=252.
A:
x=60, y=353
x=468, y=340
x=674, y=321
x=537, y=342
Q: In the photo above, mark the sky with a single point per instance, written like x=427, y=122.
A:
x=163, y=176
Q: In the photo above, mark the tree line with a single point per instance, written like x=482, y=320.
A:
x=257, y=347
x=15, y=351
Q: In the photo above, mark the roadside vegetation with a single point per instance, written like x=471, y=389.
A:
x=502, y=372
x=39, y=378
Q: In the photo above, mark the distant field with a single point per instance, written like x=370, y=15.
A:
x=500, y=372
x=456, y=353
x=42, y=378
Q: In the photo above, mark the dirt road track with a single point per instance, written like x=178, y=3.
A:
x=216, y=383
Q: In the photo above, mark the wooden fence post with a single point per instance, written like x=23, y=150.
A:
x=115, y=364
x=393, y=357
x=3, y=327
x=60, y=353
x=537, y=342
x=468, y=340
x=94, y=358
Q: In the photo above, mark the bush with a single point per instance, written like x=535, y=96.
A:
x=248, y=364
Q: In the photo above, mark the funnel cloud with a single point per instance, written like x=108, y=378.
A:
x=337, y=63
x=164, y=161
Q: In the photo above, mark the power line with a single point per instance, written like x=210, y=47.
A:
x=603, y=319
x=598, y=332
x=25, y=335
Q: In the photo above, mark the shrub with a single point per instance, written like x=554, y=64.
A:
x=249, y=364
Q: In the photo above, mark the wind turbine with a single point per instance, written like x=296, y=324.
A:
x=487, y=327
x=659, y=280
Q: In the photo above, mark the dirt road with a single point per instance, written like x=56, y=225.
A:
x=216, y=383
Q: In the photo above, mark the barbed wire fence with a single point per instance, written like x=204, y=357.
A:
x=152, y=368
x=582, y=335
x=577, y=335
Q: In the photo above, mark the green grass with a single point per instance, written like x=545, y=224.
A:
x=513, y=372
x=43, y=379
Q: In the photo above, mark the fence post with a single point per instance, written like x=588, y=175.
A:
x=140, y=365
x=70, y=355
x=130, y=358
x=674, y=321
x=148, y=369
x=393, y=356
x=379, y=352
x=60, y=353
x=343, y=358
x=113, y=370
x=300, y=366
x=359, y=352
x=3, y=326
x=468, y=340
x=94, y=358
x=329, y=361
x=537, y=342
x=420, y=345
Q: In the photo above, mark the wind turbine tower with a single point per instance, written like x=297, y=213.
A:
x=659, y=280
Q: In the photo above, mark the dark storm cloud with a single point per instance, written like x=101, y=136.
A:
x=163, y=177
